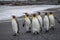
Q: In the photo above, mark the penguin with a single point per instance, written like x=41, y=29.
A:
x=15, y=26
x=46, y=22
x=35, y=25
x=40, y=20
x=27, y=23
x=51, y=20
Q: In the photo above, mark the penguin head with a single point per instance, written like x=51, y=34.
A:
x=13, y=17
x=46, y=13
x=51, y=13
x=38, y=13
x=26, y=15
x=34, y=15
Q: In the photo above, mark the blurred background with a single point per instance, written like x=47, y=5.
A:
x=29, y=2
x=18, y=8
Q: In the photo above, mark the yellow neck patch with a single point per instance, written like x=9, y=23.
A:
x=26, y=17
x=34, y=17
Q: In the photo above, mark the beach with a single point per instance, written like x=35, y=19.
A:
x=6, y=31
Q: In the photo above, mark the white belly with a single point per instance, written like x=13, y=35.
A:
x=35, y=25
x=52, y=21
x=27, y=24
x=46, y=23
x=14, y=26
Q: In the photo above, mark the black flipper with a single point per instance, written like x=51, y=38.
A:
x=30, y=19
x=40, y=25
x=17, y=25
x=24, y=23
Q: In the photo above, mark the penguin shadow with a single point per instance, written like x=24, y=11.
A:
x=49, y=32
x=14, y=37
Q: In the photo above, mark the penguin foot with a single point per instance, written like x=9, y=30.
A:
x=28, y=31
x=18, y=32
x=59, y=22
x=15, y=35
x=47, y=31
x=41, y=30
x=29, y=28
x=35, y=33
x=52, y=28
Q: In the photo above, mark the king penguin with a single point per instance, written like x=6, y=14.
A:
x=51, y=20
x=35, y=25
x=46, y=22
x=40, y=20
x=15, y=25
x=27, y=23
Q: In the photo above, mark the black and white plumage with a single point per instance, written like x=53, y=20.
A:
x=35, y=24
x=51, y=20
x=46, y=22
x=15, y=25
x=27, y=23
x=39, y=17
